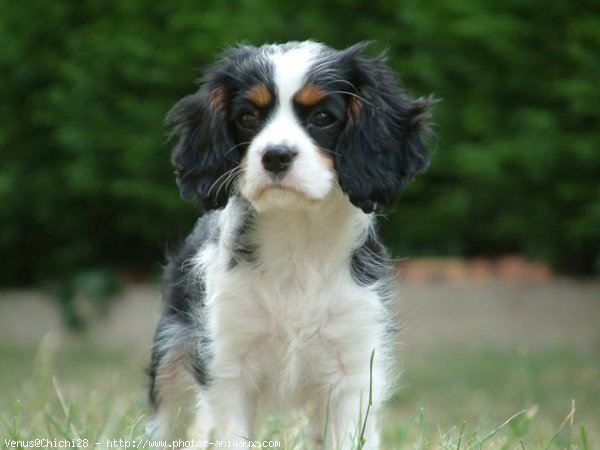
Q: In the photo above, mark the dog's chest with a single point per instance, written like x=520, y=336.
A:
x=290, y=315
x=290, y=322
x=286, y=302
x=289, y=332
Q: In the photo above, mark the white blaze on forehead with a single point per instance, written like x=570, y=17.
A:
x=310, y=175
x=291, y=67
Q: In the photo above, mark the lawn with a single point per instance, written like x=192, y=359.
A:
x=448, y=398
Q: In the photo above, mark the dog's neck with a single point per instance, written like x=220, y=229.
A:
x=318, y=236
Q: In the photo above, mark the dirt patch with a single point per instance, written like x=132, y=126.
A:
x=523, y=314
x=526, y=315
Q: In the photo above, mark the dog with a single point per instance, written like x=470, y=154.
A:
x=281, y=294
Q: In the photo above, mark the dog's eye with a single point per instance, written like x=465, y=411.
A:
x=321, y=119
x=248, y=120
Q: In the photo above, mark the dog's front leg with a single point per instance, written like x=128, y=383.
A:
x=353, y=422
x=343, y=411
x=343, y=423
x=230, y=407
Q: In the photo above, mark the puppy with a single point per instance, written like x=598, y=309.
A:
x=281, y=294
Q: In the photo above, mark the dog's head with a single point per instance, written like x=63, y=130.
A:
x=287, y=124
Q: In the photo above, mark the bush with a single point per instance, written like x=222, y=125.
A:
x=85, y=180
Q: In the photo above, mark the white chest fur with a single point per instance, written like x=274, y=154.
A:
x=293, y=322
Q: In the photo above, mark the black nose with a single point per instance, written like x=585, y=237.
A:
x=278, y=158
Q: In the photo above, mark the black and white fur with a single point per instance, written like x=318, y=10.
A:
x=281, y=293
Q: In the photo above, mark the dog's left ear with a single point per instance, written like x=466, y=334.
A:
x=382, y=147
x=202, y=156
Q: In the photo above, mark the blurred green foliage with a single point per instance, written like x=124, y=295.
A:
x=85, y=178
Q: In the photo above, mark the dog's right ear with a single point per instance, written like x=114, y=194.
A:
x=204, y=156
x=383, y=145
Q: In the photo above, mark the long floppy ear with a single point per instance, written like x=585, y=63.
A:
x=381, y=149
x=205, y=151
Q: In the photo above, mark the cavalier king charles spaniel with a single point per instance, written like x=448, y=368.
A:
x=282, y=293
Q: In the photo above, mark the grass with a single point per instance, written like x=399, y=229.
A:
x=483, y=398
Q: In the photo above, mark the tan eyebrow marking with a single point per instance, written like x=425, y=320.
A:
x=354, y=107
x=259, y=95
x=309, y=95
x=218, y=98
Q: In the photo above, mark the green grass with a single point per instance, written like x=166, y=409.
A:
x=449, y=399
x=486, y=386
